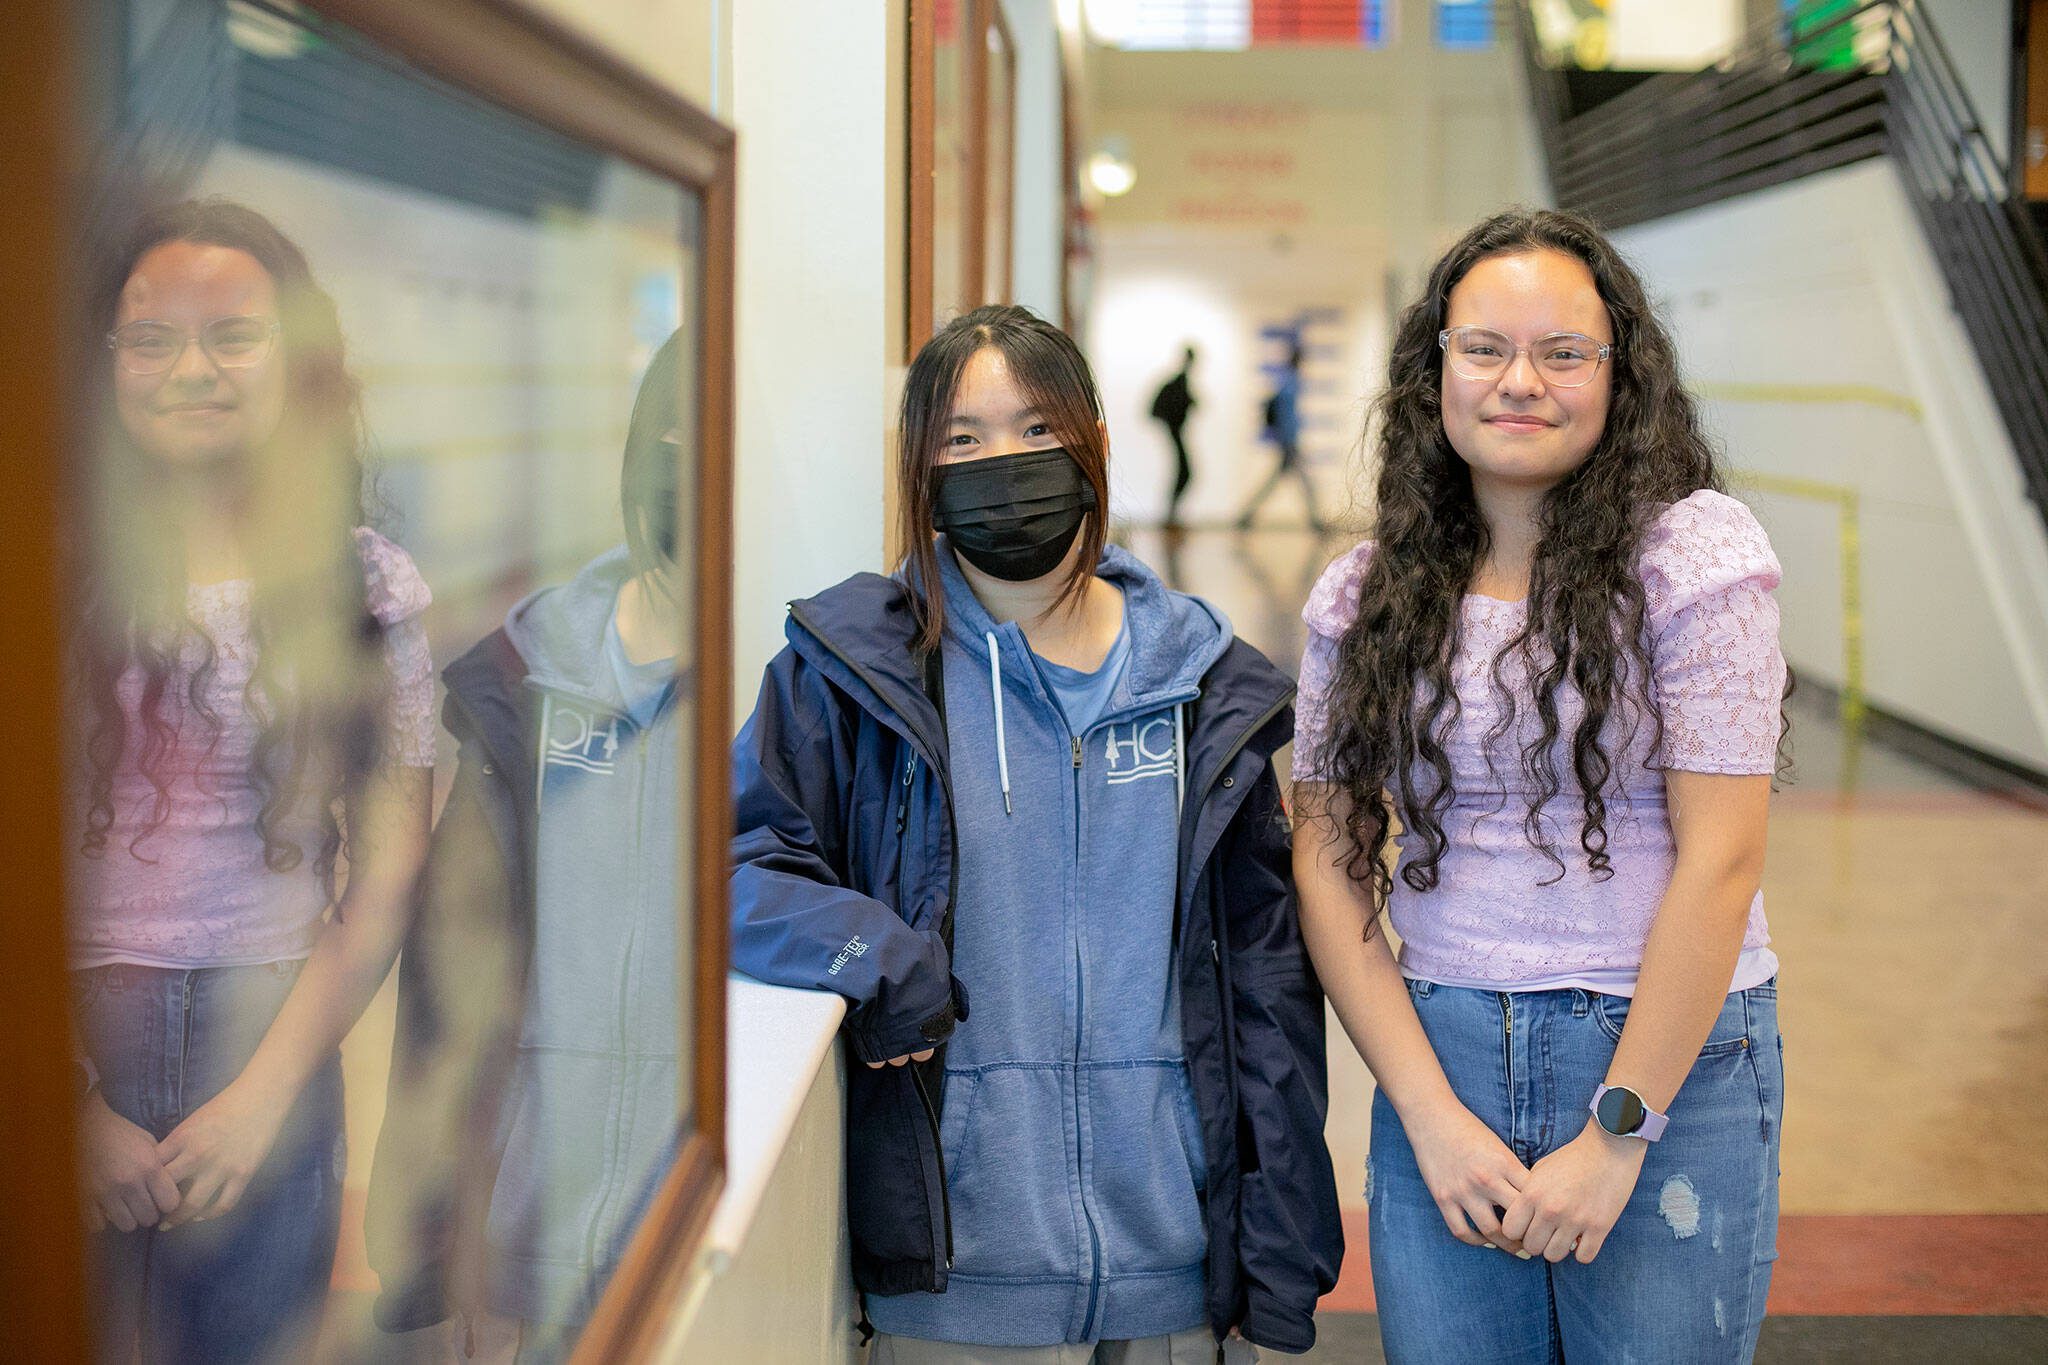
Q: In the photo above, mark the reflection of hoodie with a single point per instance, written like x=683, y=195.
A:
x=1074, y=1159
x=589, y=1119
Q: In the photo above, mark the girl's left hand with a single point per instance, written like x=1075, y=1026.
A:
x=1573, y=1196
x=219, y=1147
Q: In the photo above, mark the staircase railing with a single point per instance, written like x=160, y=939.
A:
x=1807, y=94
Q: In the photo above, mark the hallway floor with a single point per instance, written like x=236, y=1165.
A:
x=1915, y=1190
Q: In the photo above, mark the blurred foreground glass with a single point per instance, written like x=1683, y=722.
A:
x=392, y=417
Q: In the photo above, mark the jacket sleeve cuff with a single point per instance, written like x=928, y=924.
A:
x=1270, y=1323
x=902, y=1039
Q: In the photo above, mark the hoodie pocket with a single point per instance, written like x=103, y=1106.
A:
x=558, y=1142
x=1009, y=1174
x=1146, y=1166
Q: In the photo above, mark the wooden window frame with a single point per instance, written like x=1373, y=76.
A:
x=530, y=64
x=920, y=142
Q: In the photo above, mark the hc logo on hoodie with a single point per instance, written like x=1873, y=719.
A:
x=1139, y=749
x=582, y=739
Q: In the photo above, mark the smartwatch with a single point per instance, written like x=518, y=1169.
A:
x=1621, y=1111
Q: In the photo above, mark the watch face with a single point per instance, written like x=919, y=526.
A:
x=1620, y=1112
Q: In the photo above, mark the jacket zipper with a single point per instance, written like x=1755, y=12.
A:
x=903, y=798
x=931, y=1116
x=1080, y=1035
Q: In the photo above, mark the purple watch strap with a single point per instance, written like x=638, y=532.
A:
x=1653, y=1123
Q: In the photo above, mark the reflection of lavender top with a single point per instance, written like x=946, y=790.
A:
x=1718, y=678
x=196, y=892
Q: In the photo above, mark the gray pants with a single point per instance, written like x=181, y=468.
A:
x=1196, y=1347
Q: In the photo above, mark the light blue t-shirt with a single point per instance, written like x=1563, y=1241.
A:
x=1083, y=697
x=643, y=687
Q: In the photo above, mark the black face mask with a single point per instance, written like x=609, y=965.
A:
x=1013, y=517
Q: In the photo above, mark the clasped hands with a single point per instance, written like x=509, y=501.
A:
x=199, y=1171
x=1564, y=1205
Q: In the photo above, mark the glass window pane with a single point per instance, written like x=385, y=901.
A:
x=382, y=647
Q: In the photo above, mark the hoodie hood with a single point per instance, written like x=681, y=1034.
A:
x=552, y=630
x=1175, y=637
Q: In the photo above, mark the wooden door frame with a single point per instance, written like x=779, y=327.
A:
x=42, y=1236
x=920, y=130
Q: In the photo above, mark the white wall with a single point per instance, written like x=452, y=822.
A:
x=1978, y=36
x=1813, y=319
x=787, y=1296
x=1037, y=204
x=810, y=99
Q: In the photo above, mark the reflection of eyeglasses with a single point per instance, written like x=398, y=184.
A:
x=1566, y=359
x=233, y=343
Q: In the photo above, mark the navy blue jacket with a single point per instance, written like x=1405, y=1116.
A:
x=843, y=879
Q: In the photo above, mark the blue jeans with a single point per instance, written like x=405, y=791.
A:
x=1683, y=1275
x=245, y=1285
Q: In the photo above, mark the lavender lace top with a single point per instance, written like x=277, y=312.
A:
x=1718, y=678
x=196, y=892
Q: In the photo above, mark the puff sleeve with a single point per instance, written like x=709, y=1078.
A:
x=1332, y=606
x=397, y=596
x=1718, y=674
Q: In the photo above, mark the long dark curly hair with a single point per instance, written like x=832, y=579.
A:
x=318, y=687
x=1393, y=701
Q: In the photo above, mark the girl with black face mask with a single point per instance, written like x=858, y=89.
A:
x=1016, y=803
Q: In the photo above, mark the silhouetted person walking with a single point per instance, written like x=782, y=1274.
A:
x=1170, y=406
x=1283, y=429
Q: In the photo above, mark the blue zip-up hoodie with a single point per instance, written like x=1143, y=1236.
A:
x=533, y=1104
x=1074, y=1156
x=588, y=1121
x=849, y=858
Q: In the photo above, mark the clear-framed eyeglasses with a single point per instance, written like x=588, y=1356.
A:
x=232, y=343
x=1566, y=359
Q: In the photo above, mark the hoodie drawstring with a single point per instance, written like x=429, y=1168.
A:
x=995, y=687
x=540, y=767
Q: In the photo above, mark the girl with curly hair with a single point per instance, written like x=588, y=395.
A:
x=254, y=706
x=1539, y=715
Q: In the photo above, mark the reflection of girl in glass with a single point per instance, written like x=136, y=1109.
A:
x=534, y=1096
x=253, y=771
x=1026, y=775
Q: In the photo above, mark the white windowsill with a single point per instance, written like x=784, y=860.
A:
x=776, y=1039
